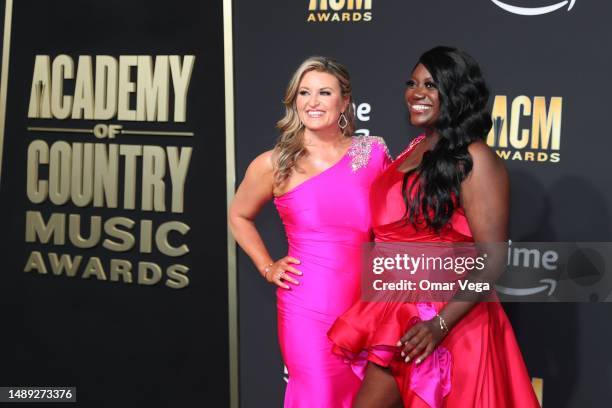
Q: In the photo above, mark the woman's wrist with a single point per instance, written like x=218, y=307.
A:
x=266, y=270
x=442, y=324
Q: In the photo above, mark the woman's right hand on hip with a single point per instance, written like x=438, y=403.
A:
x=278, y=272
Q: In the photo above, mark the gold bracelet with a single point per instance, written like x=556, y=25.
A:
x=443, y=325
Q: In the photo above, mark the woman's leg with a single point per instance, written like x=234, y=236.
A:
x=317, y=377
x=378, y=389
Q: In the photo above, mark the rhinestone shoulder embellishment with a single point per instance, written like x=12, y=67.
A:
x=361, y=150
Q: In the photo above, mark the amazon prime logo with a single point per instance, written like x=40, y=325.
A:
x=546, y=286
x=560, y=271
x=531, y=258
x=534, y=11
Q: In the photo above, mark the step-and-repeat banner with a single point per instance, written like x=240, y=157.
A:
x=112, y=201
x=547, y=63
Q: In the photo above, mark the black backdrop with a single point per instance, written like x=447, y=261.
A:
x=560, y=54
x=120, y=344
x=124, y=343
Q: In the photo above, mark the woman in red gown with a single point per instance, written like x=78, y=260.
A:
x=447, y=186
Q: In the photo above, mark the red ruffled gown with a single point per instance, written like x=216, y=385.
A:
x=477, y=365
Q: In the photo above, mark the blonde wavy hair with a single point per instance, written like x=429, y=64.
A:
x=289, y=147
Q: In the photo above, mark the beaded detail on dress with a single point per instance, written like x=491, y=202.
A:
x=361, y=148
x=411, y=146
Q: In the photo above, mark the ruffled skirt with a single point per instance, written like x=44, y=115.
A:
x=477, y=365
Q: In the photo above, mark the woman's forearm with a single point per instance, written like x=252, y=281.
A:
x=246, y=235
x=464, y=300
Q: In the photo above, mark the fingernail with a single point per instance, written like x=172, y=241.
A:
x=418, y=361
x=399, y=343
x=403, y=354
x=407, y=359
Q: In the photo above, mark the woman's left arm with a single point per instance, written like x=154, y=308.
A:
x=485, y=198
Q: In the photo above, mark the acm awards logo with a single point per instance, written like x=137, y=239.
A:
x=346, y=11
x=100, y=191
x=527, y=128
x=534, y=11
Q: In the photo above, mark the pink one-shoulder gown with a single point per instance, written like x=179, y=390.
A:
x=326, y=218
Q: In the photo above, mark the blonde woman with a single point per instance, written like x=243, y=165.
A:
x=318, y=175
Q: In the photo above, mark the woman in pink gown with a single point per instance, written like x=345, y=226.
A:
x=446, y=187
x=319, y=177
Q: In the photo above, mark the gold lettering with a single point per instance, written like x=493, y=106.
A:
x=515, y=121
x=59, y=172
x=64, y=263
x=313, y=5
x=504, y=154
x=74, y=231
x=146, y=236
x=40, y=95
x=38, y=153
x=83, y=105
x=110, y=92
x=181, y=76
x=82, y=174
x=148, y=273
x=36, y=230
x=106, y=87
x=359, y=4
x=120, y=267
x=546, y=128
x=106, y=171
x=177, y=275
x=94, y=268
x=538, y=385
x=178, y=174
x=130, y=152
x=336, y=4
x=499, y=115
x=62, y=68
x=35, y=262
x=126, y=239
x=161, y=238
x=126, y=87
x=152, y=90
x=153, y=172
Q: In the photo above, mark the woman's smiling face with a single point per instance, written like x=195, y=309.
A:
x=319, y=101
x=422, y=98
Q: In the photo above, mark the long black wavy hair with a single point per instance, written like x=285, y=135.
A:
x=434, y=192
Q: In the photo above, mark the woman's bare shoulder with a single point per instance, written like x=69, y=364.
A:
x=264, y=163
